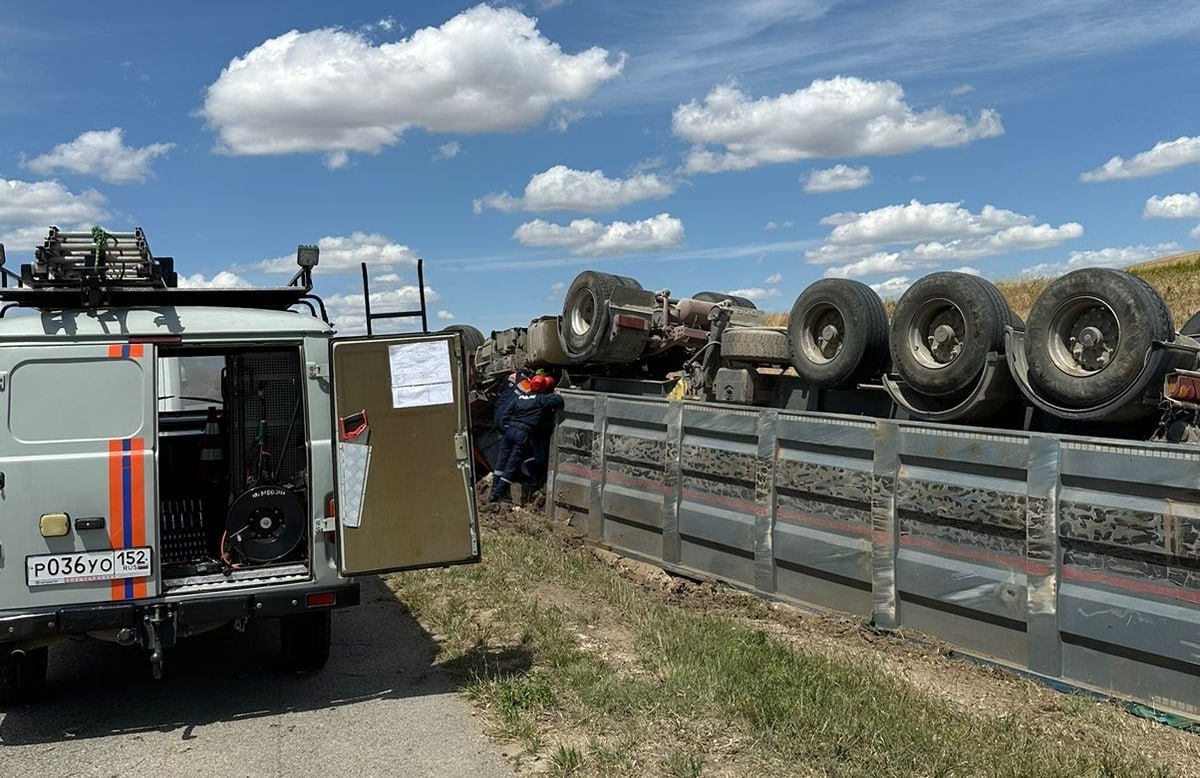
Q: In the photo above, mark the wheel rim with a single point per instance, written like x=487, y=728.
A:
x=1084, y=335
x=823, y=334
x=937, y=333
x=583, y=313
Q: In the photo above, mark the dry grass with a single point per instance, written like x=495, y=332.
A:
x=1177, y=279
x=580, y=669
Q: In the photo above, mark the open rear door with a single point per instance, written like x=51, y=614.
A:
x=402, y=431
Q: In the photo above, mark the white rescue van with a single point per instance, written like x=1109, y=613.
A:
x=173, y=460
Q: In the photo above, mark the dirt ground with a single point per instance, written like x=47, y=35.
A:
x=920, y=660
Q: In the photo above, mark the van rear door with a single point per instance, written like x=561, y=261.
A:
x=402, y=429
x=78, y=518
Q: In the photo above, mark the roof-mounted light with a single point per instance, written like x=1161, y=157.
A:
x=308, y=256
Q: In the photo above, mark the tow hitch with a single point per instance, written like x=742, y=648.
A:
x=158, y=632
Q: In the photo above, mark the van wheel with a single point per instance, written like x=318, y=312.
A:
x=304, y=640
x=22, y=675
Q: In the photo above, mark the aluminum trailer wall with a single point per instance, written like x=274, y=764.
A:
x=1075, y=558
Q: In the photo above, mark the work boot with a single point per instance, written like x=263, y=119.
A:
x=500, y=491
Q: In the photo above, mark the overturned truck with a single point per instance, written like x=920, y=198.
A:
x=1028, y=491
x=1097, y=348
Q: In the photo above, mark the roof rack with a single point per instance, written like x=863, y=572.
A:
x=102, y=269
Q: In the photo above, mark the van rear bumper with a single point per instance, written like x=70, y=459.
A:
x=49, y=623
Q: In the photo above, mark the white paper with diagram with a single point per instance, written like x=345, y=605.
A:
x=421, y=374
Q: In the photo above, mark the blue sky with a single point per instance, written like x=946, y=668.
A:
x=752, y=146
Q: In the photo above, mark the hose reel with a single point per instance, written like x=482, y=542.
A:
x=264, y=524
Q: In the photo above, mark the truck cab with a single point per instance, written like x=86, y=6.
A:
x=175, y=460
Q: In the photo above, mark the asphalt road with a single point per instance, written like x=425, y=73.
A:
x=223, y=709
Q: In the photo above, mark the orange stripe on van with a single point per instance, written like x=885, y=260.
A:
x=116, y=507
x=114, y=351
x=137, y=499
x=135, y=350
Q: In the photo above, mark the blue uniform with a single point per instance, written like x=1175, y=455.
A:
x=520, y=417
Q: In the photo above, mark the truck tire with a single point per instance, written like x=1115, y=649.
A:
x=22, y=675
x=756, y=345
x=1191, y=326
x=472, y=338
x=839, y=333
x=943, y=328
x=717, y=297
x=1089, y=333
x=304, y=640
x=628, y=283
x=585, y=319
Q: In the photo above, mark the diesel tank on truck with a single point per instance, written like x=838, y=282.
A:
x=177, y=459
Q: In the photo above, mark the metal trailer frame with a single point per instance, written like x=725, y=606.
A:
x=1076, y=559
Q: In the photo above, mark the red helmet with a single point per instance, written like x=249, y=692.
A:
x=541, y=383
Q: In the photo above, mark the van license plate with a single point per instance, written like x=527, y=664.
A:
x=85, y=566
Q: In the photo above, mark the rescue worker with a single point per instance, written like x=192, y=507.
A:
x=514, y=383
x=526, y=410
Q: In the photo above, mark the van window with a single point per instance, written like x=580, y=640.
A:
x=86, y=399
x=187, y=383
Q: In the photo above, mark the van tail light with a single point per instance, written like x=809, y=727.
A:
x=320, y=599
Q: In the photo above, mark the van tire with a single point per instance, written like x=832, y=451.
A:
x=304, y=640
x=22, y=678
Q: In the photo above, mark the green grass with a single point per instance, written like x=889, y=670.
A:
x=583, y=668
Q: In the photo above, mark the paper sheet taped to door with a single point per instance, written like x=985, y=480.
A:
x=421, y=374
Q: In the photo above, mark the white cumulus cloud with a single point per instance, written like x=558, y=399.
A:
x=349, y=317
x=838, y=178
x=838, y=117
x=585, y=237
x=28, y=208
x=773, y=279
x=225, y=279
x=777, y=225
x=755, y=293
x=1175, y=206
x=892, y=287
x=343, y=254
x=916, y=235
x=100, y=153
x=1123, y=256
x=445, y=315
x=331, y=90
x=447, y=150
x=564, y=189
x=1165, y=156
